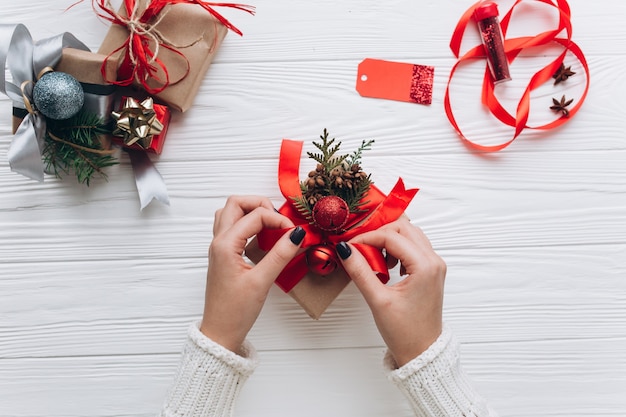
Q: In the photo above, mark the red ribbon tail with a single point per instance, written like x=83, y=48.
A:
x=222, y=19
x=375, y=259
x=389, y=210
x=295, y=270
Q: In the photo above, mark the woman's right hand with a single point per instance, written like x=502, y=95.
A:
x=408, y=314
x=236, y=290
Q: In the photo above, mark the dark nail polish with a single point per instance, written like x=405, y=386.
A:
x=297, y=235
x=343, y=250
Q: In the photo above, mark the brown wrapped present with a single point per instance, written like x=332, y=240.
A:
x=85, y=66
x=188, y=36
x=313, y=292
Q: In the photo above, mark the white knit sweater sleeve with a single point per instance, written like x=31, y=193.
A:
x=435, y=383
x=208, y=379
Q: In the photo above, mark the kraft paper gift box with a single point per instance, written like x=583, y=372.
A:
x=314, y=293
x=193, y=32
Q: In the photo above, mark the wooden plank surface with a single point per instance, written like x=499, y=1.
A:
x=95, y=296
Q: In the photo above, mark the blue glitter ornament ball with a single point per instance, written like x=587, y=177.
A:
x=58, y=95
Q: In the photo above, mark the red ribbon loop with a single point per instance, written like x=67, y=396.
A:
x=512, y=49
x=141, y=61
x=380, y=210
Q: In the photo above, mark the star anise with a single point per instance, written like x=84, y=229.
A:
x=562, y=74
x=561, y=106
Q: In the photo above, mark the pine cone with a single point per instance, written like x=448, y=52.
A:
x=313, y=197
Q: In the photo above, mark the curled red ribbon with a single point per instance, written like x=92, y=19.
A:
x=141, y=61
x=380, y=210
x=512, y=49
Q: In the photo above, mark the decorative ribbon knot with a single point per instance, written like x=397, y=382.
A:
x=137, y=122
x=378, y=211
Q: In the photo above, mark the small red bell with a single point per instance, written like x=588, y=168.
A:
x=321, y=260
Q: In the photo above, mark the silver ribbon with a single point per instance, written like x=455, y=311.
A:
x=99, y=100
x=150, y=184
x=27, y=60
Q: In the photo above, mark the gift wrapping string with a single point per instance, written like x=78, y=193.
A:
x=380, y=210
x=513, y=47
x=27, y=60
x=141, y=61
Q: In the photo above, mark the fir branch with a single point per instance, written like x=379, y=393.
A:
x=303, y=207
x=74, y=145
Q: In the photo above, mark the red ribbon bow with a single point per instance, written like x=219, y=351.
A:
x=512, y=48
x=141, y=62
x=380, y=210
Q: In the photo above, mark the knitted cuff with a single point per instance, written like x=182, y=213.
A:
x=209, y=378
x=435, y=383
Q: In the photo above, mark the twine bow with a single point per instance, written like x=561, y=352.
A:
x=141, y=61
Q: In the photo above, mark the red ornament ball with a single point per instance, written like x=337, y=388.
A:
x=321, y=260
x=331, y=213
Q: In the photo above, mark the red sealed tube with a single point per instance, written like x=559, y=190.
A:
x=486, y=16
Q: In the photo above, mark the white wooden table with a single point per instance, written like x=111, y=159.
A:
x=96, y=296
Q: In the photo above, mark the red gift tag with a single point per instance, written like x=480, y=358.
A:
x=395, y=81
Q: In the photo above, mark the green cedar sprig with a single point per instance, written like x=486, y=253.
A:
x=327, y=158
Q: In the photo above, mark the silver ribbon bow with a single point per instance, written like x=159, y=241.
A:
x=27, y=60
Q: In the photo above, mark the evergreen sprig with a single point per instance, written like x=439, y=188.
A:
x=74, y=145
x=327, y=158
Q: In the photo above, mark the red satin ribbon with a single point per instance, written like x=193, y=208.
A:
x=148, y=65
x=512, y=48
x=380, y=209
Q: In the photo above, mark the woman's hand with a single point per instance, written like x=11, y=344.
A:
x=408, y=314
x=235, y=290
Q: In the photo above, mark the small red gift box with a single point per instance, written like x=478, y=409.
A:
x=128, y=110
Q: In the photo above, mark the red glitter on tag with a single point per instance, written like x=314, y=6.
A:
x=395, y=81
x=422, y=84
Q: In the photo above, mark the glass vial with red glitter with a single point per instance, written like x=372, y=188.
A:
x=486, y=16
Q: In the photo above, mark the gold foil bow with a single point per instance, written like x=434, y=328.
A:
x=137, y=122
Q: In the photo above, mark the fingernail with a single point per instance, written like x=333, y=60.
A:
x=343, y=250
x=297, y=235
